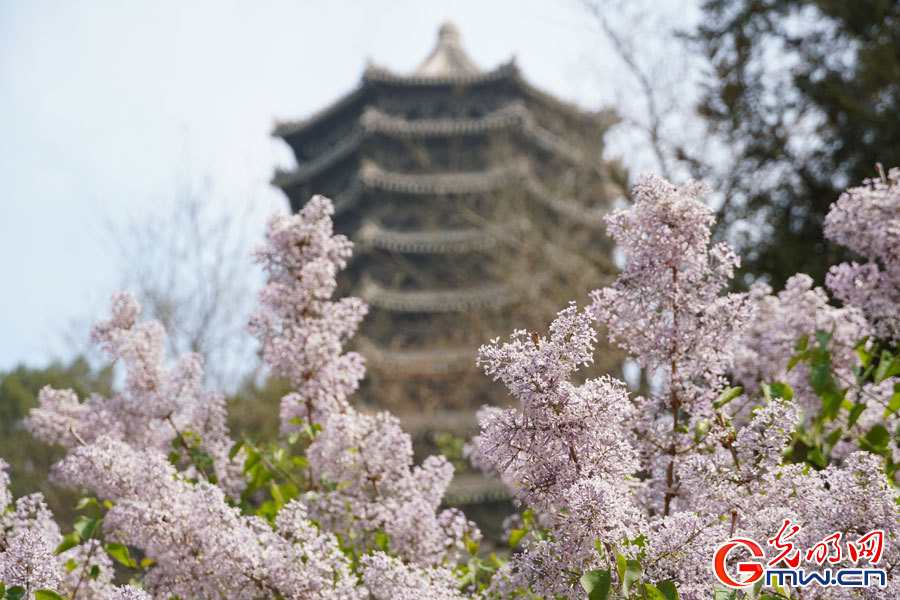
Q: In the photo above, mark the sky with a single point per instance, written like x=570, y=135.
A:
x=108, y=108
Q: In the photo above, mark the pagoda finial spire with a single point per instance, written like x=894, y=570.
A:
x=448, y=58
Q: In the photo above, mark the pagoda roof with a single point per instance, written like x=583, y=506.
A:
x=448, y=57
x=447, y=65
x=435, y=301
x=374, y=121
x=374, y=177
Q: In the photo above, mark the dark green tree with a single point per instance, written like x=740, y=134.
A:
x=29, y=459
x=804, y=97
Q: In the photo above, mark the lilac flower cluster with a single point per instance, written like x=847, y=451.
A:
x=203, y=547
x=668, y=478
x=609, y=479
x=301, y=330
x=159, y=403
x=565, y=452
x=667, y=309
x=28, y=541
x=867, y=220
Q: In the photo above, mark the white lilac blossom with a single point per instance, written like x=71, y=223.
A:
x=866, y=219
x=159, y=405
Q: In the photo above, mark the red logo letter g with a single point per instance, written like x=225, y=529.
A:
x=754, y=569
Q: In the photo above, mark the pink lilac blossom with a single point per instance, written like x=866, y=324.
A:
x=203, y=547
x=360, y=465
x=303, y=332
x=389, y=579
x=769, y=343
x=160, y=404
x=866, y=219
x=379, y=490
x=779, y=322
x=28, y=541
x=565, y=453
x=667, y=309
x=28, y=562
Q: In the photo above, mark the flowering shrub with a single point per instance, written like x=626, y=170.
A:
x=623, y=495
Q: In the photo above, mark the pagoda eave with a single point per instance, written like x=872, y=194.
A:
x=375, y=74
x=436, y=301
x=373, y=122
x=458, y=241
x=417, y=362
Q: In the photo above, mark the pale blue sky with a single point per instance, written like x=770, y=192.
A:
x=105, y=106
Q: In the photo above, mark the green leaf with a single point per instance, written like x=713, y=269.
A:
x=621, y=563
x=234, y=450
x=778, y=390
x=823, y=337
x=816, y=457
x=855, y=412
x=700, y=429
x=878, y=436
x=633, y=572
x=276, y=494
x=528, y=517
x=120, y=553
x=596, y=584
x=70, y=541
x=471, y=546
x=70, y=566
x=832, y=439
x=86, y=526
x=146, y=562
x=894, y=405
x=2, y=589
x=309, y=431
x=887, y=366
x=252, y=460
x=668, y=590
x=85, y=502
x=831, y=403
x=802, y=343
x=652, y=592
x=754, y=590
x=515, y=536
x=95, y=572
x=723, y=593
x=381, y=540
x=727, y=396
x=14, y=593
x=865, y=357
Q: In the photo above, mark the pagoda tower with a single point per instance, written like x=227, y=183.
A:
x=475, y=202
